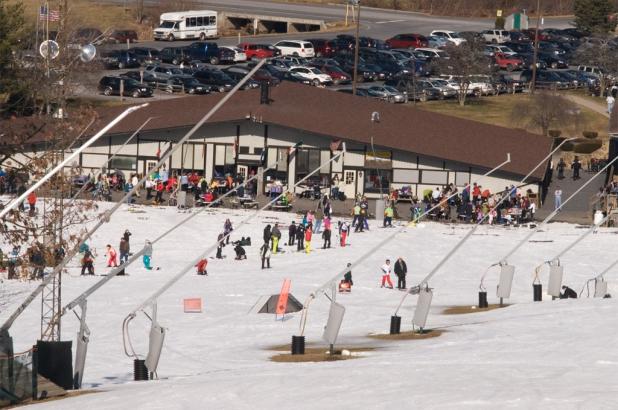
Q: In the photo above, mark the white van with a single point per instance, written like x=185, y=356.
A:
x=182, y=25
x=296, y=48
x=449, y=35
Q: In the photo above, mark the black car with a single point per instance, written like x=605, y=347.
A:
x=142, y=77
x=360, y=92
x=204, y=51
x=545, y=79
x=417, y=90
x=110, y=85
x=226, y=56
x=289, y=76
x=217, y=79
x=506, y=84
x=175, y=55
x=186, y=84
x=237, y=76
x=119, y=59
x=363, y=72
x=146, y=55
x=552, y=60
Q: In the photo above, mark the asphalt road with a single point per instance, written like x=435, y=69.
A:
x=377, y=23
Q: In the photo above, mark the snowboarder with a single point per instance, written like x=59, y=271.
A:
x=147, y=255
x=568, y=293
x=291, y=233
x=87, y=263
x=401, y=269
x=275, y=235
x=308, y=234
x=300, y=237
x=386, y=274
x=201, y=266
x=265, y=254
x=112, y=256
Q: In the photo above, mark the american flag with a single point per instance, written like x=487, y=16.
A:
x=54, y=15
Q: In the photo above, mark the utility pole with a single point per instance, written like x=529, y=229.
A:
x=536, y=47
x=355, y=76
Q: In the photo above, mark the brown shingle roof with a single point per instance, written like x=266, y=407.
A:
x=348, y=117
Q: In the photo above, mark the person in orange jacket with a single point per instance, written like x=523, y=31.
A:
x=201, y=267
x=31, y=203
x=308, y=234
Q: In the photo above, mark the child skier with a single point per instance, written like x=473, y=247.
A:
x=147, y=255
x=344, y=228
x=87, y=263
x=112, y=257
x=308, y=234
x=386, y=274
x=201, y=267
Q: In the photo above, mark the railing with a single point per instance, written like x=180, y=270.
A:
x=18, y=377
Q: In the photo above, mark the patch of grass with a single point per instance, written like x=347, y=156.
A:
x=462, y=310
x=412, y=335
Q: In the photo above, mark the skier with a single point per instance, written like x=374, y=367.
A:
x=31, y=203
x=275, y=235
x=265, y=253
x=308, y=234
x=401, y=269
x=388, y=216
x=267, y=234
x=300, y=237
x=386, y=274
x=227, y=230
x=291, y=233
x=201, y=267
x=87, y=263
x=220, y=245
x=112, y=256
x=326, y=236
x=343, y=229
x=147, y=254
x=13, y=261
x=124, y=250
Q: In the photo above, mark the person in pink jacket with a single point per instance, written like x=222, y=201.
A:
x=112, y=257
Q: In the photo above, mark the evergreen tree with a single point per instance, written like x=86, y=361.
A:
x=594, y=15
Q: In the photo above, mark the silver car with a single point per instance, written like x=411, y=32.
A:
x=387, y=93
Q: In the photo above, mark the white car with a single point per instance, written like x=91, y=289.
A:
x=496, y=36
x=501, y=49
x=297, y=48
x=239, y=55
x=312, y=74
x=452, y=36
x=431, y=52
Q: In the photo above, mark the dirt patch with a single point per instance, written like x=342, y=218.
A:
x=461, y=310
x=319, y=354
x=411, y=335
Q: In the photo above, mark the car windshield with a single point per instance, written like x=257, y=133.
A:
x=315, y=71
x=168, y=24
x=455, y=35
x=506, y=49
x=190, y=81
x=131, y=81
x=391, y=89
x=440, y=83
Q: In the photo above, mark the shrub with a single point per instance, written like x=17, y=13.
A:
x=587, y=147
x=590, y=134
x=568, y=147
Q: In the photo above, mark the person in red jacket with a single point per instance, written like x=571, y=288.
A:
x=159, y=188
x=112, y=257
x=201, y=267
x=308, y=234
x=31, y=203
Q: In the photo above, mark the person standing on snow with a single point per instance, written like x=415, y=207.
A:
x=147, y=255
x=401, y=269
x=112, y=256
x=227, y=230
x=319, y=215
x=386, y=274
x=275, y=235
x=326, y=236
x=220, y=245
x=265, y=254
x=291, y=233
x=308, y=234
x=344, y=228
x=300, y=237
x=267, y=234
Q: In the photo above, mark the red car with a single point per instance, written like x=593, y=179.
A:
x=507, y=62
x=336, y=73
x=407, y=41
x=322, y=47
x=258, y=50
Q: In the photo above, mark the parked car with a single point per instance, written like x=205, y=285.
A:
x=258, y=51
x=238, y=53
x=591, y=70
x=295, y=78
x=508, y=62
x=217, y=79
x=407, y=41
x=184, y=83
x=568, y=78
x=518, y=36
x=261, y=75
x=436, y=42
x=360, y=92
x=552, y=60
x=336, y=73
x=504, y=84
x=175, y=55
x=504, y=49
x=146, y=55
x=296, y=48
x=122, y=36
x=162, y=73
x=110, y=85
x=204, y=51
x=449, y=35
x=322, y=47
x=119, y=59
x=142, y=77
x=544, y=79
x=315, y=76
x=87, y=35
x=237, y=77
x=432, y=53
x=227, y=55
x=441, y=85
x=496, y=36
x=387, y=93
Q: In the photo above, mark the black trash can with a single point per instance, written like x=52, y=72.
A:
x=395, y=325
x=140, y=371
x=56, y=362
x=537, y=292
x=483, y=300
x=298, y=344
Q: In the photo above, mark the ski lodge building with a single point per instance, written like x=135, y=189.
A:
x=406, y=147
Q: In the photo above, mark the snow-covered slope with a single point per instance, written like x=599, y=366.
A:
x=554, y=354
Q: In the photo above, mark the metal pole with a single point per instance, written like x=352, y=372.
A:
x=536, y=46
x=355, y=74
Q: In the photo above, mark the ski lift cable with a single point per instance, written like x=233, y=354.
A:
x=366, y=255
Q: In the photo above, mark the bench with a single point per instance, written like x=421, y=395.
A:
x=284, y=208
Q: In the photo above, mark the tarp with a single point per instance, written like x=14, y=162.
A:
x=271, y=305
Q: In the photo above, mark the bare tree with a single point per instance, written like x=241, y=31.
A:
x=548, y=110
x=464, y=61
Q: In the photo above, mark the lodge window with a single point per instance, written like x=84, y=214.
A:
x=376, y=179
x=307, y=160
x=119, y=162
